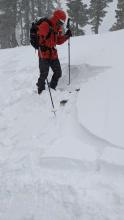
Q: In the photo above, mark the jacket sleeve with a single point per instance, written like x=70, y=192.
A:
x=61, y=38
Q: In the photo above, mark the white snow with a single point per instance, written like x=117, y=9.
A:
x=68, y=167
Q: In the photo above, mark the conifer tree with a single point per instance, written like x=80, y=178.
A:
x=26, y=19
x=78, y=12
x=45, y=8
x=97, y=12
x=49, y=7
x=119, y=24
x=58, y=3
x=8, y=23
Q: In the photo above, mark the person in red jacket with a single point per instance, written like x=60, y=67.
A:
x=48, y=56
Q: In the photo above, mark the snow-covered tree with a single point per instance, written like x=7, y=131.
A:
x=59, y=5
x=97, y=12
x=78, y=12
x=8, y=23
x=119, y=24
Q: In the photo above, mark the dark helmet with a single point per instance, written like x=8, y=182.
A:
x=60, y=15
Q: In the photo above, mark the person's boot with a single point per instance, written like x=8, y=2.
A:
x=40, y=88
x=53, y=84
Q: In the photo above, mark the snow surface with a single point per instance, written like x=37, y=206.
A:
x=68, y=167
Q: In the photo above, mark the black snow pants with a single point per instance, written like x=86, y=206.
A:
x=44, y=65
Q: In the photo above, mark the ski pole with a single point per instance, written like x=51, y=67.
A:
x=68, y=27
x=69, y=61
x=51, y=97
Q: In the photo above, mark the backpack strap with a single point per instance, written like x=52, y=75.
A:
x=50, y=28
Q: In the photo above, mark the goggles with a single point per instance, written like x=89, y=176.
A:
x=60, y=22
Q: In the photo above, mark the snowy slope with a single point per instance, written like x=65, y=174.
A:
x=104, y=99
x=68, y=167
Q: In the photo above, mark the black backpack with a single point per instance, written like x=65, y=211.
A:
x=34, y=39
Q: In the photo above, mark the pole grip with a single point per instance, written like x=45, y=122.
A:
x=68, y=23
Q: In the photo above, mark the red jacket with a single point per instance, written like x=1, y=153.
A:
x=56, y=38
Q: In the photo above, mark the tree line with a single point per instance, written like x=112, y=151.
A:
x=16, y=17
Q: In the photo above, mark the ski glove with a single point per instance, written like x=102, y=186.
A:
x=68, y=33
